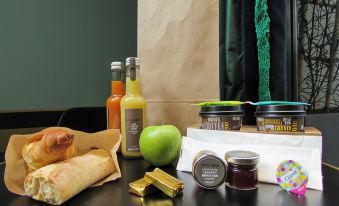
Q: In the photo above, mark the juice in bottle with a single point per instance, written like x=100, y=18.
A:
x=118, y=91
x=133, y=110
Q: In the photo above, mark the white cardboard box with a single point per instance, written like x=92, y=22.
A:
x=249, y=135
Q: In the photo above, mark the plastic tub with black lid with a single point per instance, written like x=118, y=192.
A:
x=221, y=117
x=280, y=118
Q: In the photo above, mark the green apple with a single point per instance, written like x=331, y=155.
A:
x=160, y=145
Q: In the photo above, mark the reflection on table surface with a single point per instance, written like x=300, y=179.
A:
x=116, y=192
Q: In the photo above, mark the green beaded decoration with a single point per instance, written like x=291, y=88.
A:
x=262, y=29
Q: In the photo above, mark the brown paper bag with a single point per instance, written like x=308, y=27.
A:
x=15, y=171
x=178, y=45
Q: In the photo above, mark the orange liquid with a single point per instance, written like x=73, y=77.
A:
x=113, y=105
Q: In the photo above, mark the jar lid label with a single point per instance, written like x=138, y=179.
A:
x=292, y=176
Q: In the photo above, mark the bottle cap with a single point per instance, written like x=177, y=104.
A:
x=117, y=66
x=241, y=157
x=133, y=61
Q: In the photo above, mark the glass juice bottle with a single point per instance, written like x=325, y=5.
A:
x=118, y=91
x=133, y=110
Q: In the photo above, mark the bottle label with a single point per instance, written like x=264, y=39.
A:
x=280, y=124
x=134, y=127
x=133, y=73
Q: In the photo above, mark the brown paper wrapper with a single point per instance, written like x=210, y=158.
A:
x=15, y=171
x=178, y=45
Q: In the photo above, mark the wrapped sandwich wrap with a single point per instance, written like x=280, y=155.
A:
x=16, y=170
x=58, y=182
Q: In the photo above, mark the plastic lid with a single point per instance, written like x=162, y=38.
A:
x=133, y=61
x=292, y=176
x=222, y=110
x=117, y=66
x=283, y=109
x=241, y=157
x=205, y=162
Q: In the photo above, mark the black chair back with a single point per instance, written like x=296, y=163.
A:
x=87, y=119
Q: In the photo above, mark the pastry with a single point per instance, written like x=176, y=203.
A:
x=58, y=182
x=46, y=148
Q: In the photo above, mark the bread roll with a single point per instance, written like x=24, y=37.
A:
x=43, y=149
x=58, y=182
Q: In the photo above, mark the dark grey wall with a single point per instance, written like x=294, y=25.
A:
x=56, y=54
x=328, y=124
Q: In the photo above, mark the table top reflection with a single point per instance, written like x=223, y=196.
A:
x=116, y=192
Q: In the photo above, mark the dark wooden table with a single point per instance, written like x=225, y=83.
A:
x=116, y=192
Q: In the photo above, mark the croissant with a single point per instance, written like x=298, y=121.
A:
x=46, y=148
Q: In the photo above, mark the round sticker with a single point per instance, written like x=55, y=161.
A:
x=291, y=176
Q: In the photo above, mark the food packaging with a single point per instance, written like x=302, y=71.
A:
x=141, y=187
x=208, y=170
x=228, y=117
x=178, y=45
x=280, y=118
x=242, y=173
x=272, y=148
x=310, y=138
x=15, y=171
x=170, y=185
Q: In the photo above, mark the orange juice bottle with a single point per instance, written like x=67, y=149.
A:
x=118, y=91
x=133, y=110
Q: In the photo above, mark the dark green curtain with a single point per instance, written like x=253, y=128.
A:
x=231, y=51
x=239, y=57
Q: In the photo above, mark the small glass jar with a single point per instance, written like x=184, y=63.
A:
x=208, y=170
x=241, y=170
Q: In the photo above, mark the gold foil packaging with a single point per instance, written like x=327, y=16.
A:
x=141, y=187
x=165, y=182
x=159, y=179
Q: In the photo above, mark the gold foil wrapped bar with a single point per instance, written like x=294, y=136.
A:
x=165, y=182
x=141, y=187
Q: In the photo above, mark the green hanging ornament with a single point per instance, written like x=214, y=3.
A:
x=262, y=29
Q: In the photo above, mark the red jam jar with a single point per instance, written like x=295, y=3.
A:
x=241, y=170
